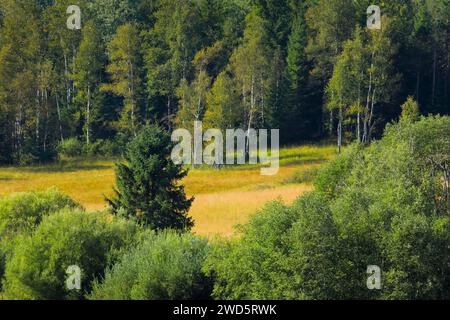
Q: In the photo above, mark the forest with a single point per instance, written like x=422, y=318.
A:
x=310, y=68
x=359, y=207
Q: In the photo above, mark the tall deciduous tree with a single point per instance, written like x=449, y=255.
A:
x=111, y=14
x=223, y=111
x=251, y=66
x=192, y=103
x=125, y=62
x=87, y=76
x=345, y=88
x=383, y=79
x=19, y=54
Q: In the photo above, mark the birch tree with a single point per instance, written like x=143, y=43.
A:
x=125, y=79
x=250, y=65
x=87, y=77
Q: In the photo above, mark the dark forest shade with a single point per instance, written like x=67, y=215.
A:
x=231, y=64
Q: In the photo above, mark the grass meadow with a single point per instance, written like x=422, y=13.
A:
x=224, y=197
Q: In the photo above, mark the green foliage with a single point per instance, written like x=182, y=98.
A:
x=70, y=148
x=103, y=148
x=111, y=14
x=331, y=23
x=298, y=114
x=74, y=148
x=192, y=102
x=253, y=267
x=37, y=269
x=165, y=266
x=147, y=184
x=87, y=76
x=332, y=178
x=410, y=110
x=255, y=63
x=124, y=54
x=21, y=214
x=223, y=103
x=384, y=205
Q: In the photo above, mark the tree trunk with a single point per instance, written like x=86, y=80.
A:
x=58, y=109
x=339, y=131
x=38, y=116
x=169, y=126
x=88, y=116
x=447, y=186
x=358, y=116
x=366, y=111
x=46, y=120
x=433, y=94
x=67, y=82
x=250, y=118
x=132, y=95
x=370, y=122
x=331, y=122
x=358, y=128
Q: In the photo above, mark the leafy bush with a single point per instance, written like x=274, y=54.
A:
x=164, y=266
x=385, y=205
x=37, y=268
x=410, y=110
x=20, y=214
x=70, y=148
x=108, y=148
x=332, y=178
x=101, y=148
x=253, y=266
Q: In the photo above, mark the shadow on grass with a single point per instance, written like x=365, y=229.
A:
x=302, y=162
x=66, y=166
x=308, y=155
x=6, y=179
x=247, y=167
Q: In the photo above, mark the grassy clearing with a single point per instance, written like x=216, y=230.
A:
x=224, y=197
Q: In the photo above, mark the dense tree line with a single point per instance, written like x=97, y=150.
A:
x=308, y=67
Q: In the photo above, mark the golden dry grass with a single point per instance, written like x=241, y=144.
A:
x=224, y=197
x=218, y=213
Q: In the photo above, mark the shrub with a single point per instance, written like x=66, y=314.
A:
x=20, y=214
x=332, y=178
x=385, y=205
x=37, y=268
x=410, y=110
x=253, y=266
x=70, y=148
x=93, y=149
x=101, y=148
x=165, y=266
x=108, y=148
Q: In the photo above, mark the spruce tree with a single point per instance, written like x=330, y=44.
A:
x=147, y=183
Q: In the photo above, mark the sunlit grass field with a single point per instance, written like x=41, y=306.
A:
x=223, y=197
